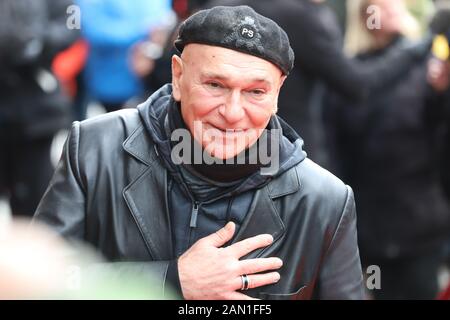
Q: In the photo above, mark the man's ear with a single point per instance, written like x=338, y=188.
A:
x=282, y=79
x=177, y=72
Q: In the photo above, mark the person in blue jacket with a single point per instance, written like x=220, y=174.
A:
x=112, y=28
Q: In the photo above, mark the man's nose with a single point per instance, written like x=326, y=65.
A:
x=232, y=110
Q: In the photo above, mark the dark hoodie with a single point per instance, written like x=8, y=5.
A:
x=198, y=205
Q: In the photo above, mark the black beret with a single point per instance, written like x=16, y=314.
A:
x=238, y=28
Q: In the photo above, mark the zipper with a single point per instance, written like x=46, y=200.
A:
x=193, y=222
x=194, y=215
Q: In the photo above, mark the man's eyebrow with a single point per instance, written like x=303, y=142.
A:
x=210, y=75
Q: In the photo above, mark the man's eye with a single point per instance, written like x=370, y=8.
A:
x=258, y=92
x=214, y=85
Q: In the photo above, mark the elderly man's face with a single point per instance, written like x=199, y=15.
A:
x=231, y=94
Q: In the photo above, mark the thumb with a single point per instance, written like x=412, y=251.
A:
x=222, y=236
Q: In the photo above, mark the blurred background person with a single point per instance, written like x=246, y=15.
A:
x=68, y=66
x=114, y=30
x=321, y=63
x=446, y=151
x=162, y=71
x=32, y=107
x=385, y=148
x=439, y=75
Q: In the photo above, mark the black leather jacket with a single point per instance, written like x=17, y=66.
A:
x=109, y=189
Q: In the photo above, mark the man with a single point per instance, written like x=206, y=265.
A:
x=215, y=231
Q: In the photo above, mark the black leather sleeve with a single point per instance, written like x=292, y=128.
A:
x=62, y=208
x=341, y=274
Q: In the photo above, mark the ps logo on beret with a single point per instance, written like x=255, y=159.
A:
x=247, y=32
x=247, y=28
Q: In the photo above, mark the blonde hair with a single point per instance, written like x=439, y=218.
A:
x=358, y=38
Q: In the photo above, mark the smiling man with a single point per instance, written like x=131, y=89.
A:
x=207, y=218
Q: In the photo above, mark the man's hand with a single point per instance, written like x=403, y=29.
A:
x=208, y=271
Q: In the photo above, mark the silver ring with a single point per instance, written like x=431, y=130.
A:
x=245, y=282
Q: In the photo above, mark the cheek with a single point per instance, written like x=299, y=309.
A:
x=260, y=114
x=199, y=103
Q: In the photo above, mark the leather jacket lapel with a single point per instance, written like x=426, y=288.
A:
x=146, y=197
x=262, y=218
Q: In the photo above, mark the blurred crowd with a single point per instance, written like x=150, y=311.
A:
x=369, y=94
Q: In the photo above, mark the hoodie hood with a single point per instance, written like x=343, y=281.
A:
x=154, y=114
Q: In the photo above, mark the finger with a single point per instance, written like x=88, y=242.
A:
x=238, y=296
x=222, y=236
x=241, y=248
x=258, y=280
x=252, y=266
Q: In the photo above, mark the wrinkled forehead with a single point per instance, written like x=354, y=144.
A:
x=206, y=58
